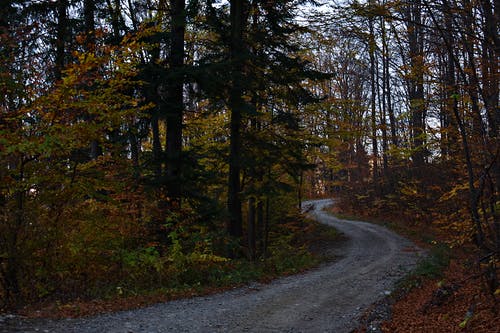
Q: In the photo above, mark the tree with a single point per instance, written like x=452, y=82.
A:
x=237, y=56
x=175, y=104
x=413, y=18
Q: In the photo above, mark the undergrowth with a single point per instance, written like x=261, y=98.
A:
x=185, y=271
x=430, y=267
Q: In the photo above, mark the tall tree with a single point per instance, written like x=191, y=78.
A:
x=237, y=55
x=175, y=106
x=62, y=31
x=89, y=8
x=413, y=12
x=373, y=96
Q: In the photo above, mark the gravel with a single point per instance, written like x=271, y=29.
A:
x=328, y=299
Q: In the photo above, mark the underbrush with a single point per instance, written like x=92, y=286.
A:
x=430, y=267
x=190, y=265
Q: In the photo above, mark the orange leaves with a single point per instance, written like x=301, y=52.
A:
x=454, y=314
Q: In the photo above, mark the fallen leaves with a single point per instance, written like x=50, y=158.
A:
x=464, y=309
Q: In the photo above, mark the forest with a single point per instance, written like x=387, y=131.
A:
x=156, y=144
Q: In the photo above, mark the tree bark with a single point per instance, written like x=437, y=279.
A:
x=175, y=105
x=373, y=89
x=251, y=232
x=62, y=22
x=157, y=149
x=236, y=105
x=89, y=19
x=416, y=82
x=387, y=83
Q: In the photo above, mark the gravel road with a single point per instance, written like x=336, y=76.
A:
x=328, y=299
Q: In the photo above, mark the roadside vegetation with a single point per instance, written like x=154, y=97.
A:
x=149, y=277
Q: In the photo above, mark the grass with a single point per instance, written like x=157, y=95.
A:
x=430, y=267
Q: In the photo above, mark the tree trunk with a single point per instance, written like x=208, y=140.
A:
x=266, y=230
x=175, y=105
x=251, y=232
x=387, y=84
x=491, y=78
x=157, y=149
x=373, y=89
x=451, y=90
x=260, y=225
x=383, y=117
x=89, y=18
x=117, y=22
x=134, y=152
x=62, y=22
x=416, y=82
x=11, y=269
x=236, y=105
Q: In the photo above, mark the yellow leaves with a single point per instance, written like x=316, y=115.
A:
x=468, y=316
x=362, y=197
x=371, y=10
x=463, y=324
x=410, y=191
x=207, y=258
x=456, y=190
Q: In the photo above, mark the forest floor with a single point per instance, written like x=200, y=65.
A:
x=369, y=262
x=445, y=293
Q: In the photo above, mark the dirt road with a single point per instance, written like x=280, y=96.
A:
x=328, y=299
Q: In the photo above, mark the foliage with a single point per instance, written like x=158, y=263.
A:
x=430, y=267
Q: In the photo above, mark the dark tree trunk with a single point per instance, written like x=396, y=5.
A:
x=89, y=18
x=265, y=241
x=491, y=54
x=157, y=149
x=8, y=266
x=62, y=22
x=416, y=82
x=387, y=84
x=491, y=78
x=260, y=225
x=117, y=21
x=175, y=105
x=12, y=268
x=236, y=105
x=134, y=153
x=251, y=232
x=449, y=136
x=383, y=118
x=234, y=200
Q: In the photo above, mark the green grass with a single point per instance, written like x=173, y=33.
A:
x=430, y=267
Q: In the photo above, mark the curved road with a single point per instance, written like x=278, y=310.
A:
x=328, y=299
